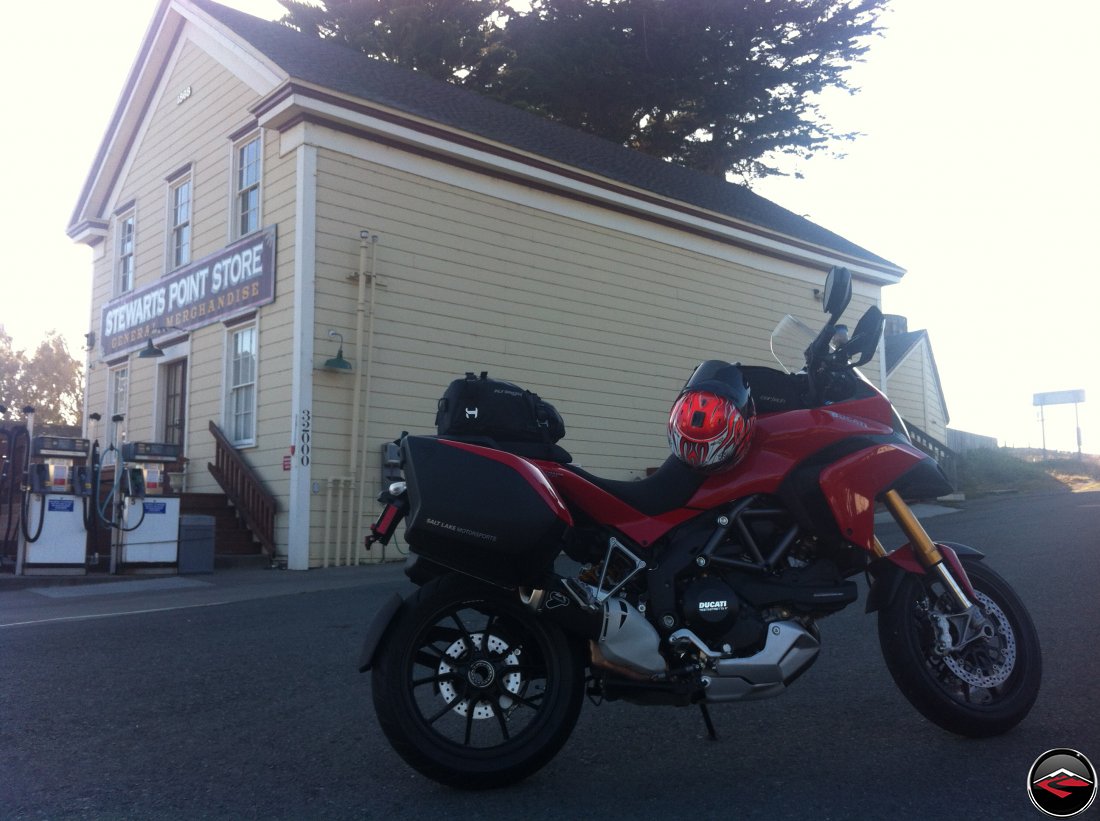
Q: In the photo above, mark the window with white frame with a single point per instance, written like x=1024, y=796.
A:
x=246, y=186
x=125, y=279
x=179, y=214
x=241, y=383
x=118, y=389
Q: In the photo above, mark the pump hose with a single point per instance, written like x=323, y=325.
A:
x=101, y=509
x=24, y=515
x=9, y=529
x=139, y=521
x=24, y=508
x=88, y=500
x=7, y=477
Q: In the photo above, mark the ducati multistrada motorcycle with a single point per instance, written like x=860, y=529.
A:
x=689, y=587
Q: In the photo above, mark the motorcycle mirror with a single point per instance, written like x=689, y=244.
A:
x=838, y=291
x=865, y=338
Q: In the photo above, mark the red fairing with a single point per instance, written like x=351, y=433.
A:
x=606, y=509
x=851, y=484
x=781, y=441
x=530, y=473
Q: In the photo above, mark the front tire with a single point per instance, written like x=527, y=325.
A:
x=473, y=690
x=982, y=689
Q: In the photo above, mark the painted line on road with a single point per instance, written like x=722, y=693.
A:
x=109, y=588
x=90, y=616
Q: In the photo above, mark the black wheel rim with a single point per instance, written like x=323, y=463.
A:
x=478, y=678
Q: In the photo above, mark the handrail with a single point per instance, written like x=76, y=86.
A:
x=245, y=489
x=947, y=458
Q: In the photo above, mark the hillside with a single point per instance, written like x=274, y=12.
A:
x=1018, y=470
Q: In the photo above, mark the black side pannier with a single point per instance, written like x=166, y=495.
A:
x=486, y=513
x=480, y=406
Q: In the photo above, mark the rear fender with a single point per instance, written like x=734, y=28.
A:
x=889, y=571
x=378, y=628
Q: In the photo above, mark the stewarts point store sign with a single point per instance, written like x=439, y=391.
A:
x=237, y=279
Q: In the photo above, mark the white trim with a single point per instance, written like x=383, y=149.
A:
x=912, y=348
x=113, y=435
x=305, y=251
x=752, y=236
x=172, y=354
x=234, y=193
x=154, y=93
x=227, y=387
x=187, y=178
x=247, y=64
x=131, y=214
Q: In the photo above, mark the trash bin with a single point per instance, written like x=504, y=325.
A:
x=196, y=551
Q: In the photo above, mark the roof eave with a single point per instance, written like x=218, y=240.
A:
x=138, y=92
x=297, y=101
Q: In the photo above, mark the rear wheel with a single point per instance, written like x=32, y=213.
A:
x=985, y=686
x=472, y=689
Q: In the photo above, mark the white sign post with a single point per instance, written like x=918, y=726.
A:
x=1060, y=398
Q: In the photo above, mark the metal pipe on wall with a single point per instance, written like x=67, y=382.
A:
x=369, y=367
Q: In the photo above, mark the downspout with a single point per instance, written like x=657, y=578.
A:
x=366, y=236
x=347, y=549
x=360, y=313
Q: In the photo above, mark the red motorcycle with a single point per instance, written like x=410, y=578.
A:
x=701, y=584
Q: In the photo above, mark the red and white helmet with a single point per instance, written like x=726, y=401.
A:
x=712, y=420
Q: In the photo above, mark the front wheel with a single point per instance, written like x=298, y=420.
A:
x=471, y=688
x=982, y=688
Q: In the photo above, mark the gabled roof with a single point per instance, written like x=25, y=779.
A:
x=898, y=345
x=334, y=74
x=897, y=348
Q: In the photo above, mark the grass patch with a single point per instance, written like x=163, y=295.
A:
x=1006, y=470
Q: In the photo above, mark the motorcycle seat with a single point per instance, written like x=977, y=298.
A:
x=671, y=487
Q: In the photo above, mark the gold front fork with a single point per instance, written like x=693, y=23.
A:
x=923, y=547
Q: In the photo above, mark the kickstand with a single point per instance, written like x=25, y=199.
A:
x=710, y=724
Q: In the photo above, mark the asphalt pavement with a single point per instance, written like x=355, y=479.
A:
x=234, y=695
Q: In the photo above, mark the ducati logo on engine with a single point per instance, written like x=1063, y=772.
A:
x=719, y=606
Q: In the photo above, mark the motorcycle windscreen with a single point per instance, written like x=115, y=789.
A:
x=481, y=511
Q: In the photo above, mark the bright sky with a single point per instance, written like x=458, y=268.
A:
x=977, y=173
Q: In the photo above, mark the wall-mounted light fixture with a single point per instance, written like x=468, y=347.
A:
x=338, y=363
x=150, y=351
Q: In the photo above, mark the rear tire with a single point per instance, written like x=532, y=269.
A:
x=985, y=688
x=471, y=688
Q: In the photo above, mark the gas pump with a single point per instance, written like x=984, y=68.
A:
x=148, y=538
x=11, y=461
x=52, y=519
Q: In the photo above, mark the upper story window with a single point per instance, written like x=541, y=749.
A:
x=179, y=218
x=124, y=280
x=246, y=186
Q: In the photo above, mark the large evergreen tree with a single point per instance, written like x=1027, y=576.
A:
x=717, y=85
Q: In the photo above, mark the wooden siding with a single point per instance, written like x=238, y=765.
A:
x=605, y=324
x=913, y=389
x=197, y=132
x=603, y=317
